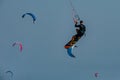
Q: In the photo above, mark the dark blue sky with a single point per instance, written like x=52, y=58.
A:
x=44, y=56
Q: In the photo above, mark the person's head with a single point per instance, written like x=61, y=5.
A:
x=81, y=22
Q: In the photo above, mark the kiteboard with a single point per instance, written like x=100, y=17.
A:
x=73, y=41
x=70, y=51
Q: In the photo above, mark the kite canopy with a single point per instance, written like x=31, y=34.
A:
x=96, y=74
x=19, y=44
x=9, y=73
x=30, y=14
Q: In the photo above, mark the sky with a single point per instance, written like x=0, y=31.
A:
x=43, y=56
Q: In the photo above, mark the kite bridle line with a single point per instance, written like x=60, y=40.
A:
x=74, y=13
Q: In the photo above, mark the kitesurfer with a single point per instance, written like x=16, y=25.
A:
x=81, y=28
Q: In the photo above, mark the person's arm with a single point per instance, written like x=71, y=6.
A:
x=77, y=25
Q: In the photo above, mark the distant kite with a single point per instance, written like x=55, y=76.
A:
x=19, y=44
x=9, y=73
x=96, y=74
x=30, y=14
